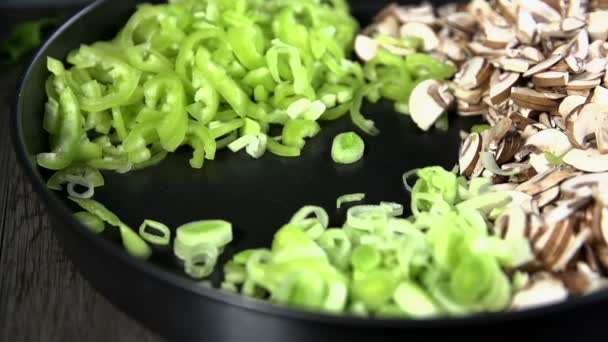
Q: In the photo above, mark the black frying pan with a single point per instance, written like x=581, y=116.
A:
x=258, y=196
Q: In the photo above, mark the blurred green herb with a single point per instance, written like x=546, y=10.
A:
x=25, y=38
x=479, y=128
x=553, y=159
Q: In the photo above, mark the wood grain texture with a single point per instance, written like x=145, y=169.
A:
x=42, y=295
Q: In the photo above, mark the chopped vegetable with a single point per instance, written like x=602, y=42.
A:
x=441, y=261
x=347, y=148
x=25, y=38
x=196, y=74
x=356, y=197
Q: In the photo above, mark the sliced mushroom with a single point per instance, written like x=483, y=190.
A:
x=601, y=132
x=582, y=124
x=430, y=41
x=566, y=209
x=550, y=140
x=366, y=47
x=453, y=50
x=540, y=10
x=527, y=97
x=547, y=196
x=472, y=96
x=509, y=146
x=532, y=53
x=550, y=79
x=520, y=122
x=544, y=65
x=389, y=26
x=570, y=103
x=474, y=72
x=572, y=24
x=596, y=66
x=573, y=247
x=583, y=84
x=583, y=184
x=590, y=160
x=598, y=25
x=544, y=290
x=580, y=48
x=513, y=64
x=600, y=95
x=497, y=37
x=501, y=91
x=583, y=280
x=576, y=65
x=539, y=162
x=526, y=27
x=428, y=101
x=469, y=154
x=597, y=49
x=511, y=224
x=545, y=180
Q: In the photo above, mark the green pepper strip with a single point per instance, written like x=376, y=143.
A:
x=66, y=142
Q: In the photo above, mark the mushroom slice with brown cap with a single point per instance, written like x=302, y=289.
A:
x=501, y=91
x=550, y=79
x=473, y=72
x=582, y=125
x=589, y=160
x=569, y=104
x=530, y=98
x=550, y=140
x=469, y=154
x=547, y=196
x=366, y=47
x=428, y=101
x=509, y=146
x=566, y=209
x=598, y=25
x=582, y=184
x=554, y=239
x=520, y=122
x=544, y=289
x=430, y=41
x=545, y=180
x=601, y=132
x=573, y=247
x=583, y=280
x=544, y=65
x=511, y=224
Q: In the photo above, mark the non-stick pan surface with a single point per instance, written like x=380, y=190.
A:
x=257, y=196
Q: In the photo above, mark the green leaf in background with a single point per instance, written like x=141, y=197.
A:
x=25, y=38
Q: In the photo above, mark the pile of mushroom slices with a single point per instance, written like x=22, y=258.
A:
x=536, y=71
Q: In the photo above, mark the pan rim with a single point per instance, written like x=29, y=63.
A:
x=62, y=215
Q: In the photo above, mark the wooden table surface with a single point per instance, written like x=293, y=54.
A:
x=42, y=295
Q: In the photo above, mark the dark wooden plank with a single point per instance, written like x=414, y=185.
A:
x=42, y=295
